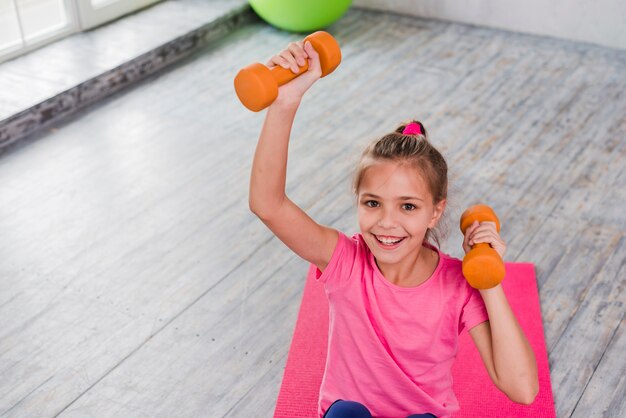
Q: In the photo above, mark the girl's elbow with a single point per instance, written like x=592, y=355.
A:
x=525, y=394
x=265, y=206
x=257, y=209
x=261, y=210
x=252, y=205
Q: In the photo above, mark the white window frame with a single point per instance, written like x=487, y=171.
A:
x=81, y=15
x=41, y=38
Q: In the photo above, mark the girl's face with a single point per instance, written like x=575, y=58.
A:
x=395, y=209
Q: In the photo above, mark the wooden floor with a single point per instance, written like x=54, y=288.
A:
x=134, y=282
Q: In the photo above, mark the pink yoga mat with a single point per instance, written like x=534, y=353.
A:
x=477, y=395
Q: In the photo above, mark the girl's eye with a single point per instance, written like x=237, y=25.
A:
x=408, y=206
x=371, y=203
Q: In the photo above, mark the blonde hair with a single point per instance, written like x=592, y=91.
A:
x=416, y=150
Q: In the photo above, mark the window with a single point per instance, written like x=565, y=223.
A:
x=29, y=24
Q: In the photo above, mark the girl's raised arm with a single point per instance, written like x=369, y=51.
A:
x=267, y=199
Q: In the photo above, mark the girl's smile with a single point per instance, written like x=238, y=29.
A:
x=388, y=242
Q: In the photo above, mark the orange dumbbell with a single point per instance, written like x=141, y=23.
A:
x=257, y=86
x=482, y=265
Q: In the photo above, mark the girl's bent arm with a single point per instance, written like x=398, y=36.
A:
x=507, y=355
x=311, y=241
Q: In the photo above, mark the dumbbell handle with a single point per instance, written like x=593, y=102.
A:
x=482, y=245
x=284, y=75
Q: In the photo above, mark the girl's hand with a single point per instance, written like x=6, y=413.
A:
x=295, y=56
x=485, y=232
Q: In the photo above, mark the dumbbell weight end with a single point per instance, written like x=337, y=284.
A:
x=482, y=268
x=257, y=85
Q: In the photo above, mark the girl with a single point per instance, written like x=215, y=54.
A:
x=397, y=304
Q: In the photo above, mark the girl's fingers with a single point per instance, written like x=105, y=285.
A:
x=471, y=229
x=467, y=236
x=296, y=56
x=490, y=226
x=272, y=62
x=308, y=48
x=277, y=60
x=482, y=234
x=291, y=60
x=314, y=57
x=480, y=238
x=486, y=232
x=298, y=52
x=284, y=59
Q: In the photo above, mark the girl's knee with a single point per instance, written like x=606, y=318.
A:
x=347, y=409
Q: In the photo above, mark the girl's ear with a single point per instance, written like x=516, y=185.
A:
x=437, y=213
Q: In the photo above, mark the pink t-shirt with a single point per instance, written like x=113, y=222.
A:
x=391, y=348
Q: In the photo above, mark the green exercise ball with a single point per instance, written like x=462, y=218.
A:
x=300, y=15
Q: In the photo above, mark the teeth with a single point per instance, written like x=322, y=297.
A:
x=388, y=241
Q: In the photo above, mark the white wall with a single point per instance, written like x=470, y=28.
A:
x=601, y=22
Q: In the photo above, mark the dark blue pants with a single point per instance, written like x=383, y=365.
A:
x=351, y=409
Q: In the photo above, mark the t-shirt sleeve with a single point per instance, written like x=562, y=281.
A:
x=474, y=311
x=341, y=262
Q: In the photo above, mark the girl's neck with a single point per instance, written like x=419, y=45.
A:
x=414, y=272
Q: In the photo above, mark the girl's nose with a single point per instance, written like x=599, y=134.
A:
x=387, y=219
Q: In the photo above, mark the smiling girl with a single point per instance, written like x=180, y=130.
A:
x=397, y=303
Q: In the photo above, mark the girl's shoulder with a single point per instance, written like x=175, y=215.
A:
x=451, y=262
x=448, y=263
x=452, y=272
x=349, y=257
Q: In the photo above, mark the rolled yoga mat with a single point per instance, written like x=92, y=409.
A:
x=476, y=393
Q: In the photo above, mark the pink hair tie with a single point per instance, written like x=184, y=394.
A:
x=412, y=129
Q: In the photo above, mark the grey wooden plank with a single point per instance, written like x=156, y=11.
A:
x=207, y=356
x=606, y=392
x=260, y=398
x=592, y=325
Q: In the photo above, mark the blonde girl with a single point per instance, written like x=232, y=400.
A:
x=397, y=303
